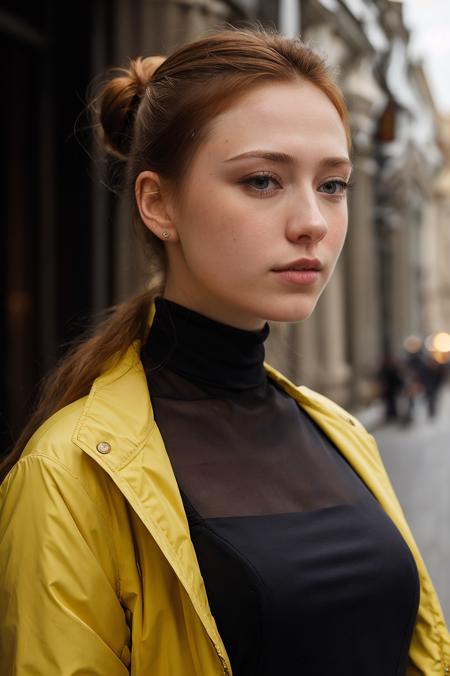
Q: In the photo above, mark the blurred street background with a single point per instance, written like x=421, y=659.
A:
x=378, y=342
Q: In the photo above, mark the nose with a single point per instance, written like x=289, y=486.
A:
x=306, y=221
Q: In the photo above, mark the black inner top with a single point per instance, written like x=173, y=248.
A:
x=305, y=573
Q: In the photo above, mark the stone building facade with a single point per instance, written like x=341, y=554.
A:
x=437, y=242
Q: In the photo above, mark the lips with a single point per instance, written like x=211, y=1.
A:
x=302, y=264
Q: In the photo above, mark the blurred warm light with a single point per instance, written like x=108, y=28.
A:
x=429, y=342
x=412, y=344
x=441, y=342
x=438, y=344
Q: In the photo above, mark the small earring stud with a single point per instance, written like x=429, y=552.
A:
x=165, y=234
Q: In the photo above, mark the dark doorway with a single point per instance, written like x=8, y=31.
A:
x=47, y=260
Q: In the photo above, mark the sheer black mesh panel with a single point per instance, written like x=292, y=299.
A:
x=232, y=458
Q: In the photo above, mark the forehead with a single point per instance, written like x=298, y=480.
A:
x=294, y=117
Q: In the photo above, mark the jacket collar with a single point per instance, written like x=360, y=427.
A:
x=119, y=411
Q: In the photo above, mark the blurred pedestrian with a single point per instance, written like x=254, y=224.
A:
x=175, y=507
x=414, y=375
x=434, y=377
x=392, y=384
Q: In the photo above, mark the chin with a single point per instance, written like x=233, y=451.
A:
x=291, y=310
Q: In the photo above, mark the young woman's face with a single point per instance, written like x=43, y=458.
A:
x=262, y=216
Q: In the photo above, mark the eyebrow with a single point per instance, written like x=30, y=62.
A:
x=284, y=158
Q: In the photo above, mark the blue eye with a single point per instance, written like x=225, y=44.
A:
x=335, y=187
x=262, y=184
x=259, y=182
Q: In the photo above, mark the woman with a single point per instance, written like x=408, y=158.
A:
x=180, y=507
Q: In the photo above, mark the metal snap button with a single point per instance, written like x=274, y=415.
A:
x=103, y=447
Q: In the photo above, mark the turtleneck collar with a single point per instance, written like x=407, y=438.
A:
x=204, y=350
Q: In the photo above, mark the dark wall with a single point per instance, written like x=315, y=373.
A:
x=46, y=186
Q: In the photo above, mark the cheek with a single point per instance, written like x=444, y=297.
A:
x=205, y=212
x=344, y=226
x=338, y=230
x=222, y=225
x=209, y=238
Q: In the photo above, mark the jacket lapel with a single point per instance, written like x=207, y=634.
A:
x=118, y=411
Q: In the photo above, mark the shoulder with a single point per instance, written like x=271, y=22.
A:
x=53, y=449
x=329, y=406
x=71, y=436
x=330, y=409
x=315, y=401
x=64, y=450
x=54, y=470
x=55, y=490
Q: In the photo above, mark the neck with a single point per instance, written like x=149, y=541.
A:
x=204, y=350
x=211, y=308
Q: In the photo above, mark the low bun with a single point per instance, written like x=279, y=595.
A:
x=118, y=100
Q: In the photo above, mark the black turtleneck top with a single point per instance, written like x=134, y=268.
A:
x=305, y=573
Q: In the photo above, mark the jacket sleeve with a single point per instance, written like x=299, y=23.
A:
x=60, y=612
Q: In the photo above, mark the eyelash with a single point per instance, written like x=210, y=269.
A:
x=261, y=174
x=344, y=185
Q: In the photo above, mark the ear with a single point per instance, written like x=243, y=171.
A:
x=154, y=206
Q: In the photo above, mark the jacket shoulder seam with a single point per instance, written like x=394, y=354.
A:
x=44, y=456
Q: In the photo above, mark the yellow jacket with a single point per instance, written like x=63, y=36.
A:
x=98, y=575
